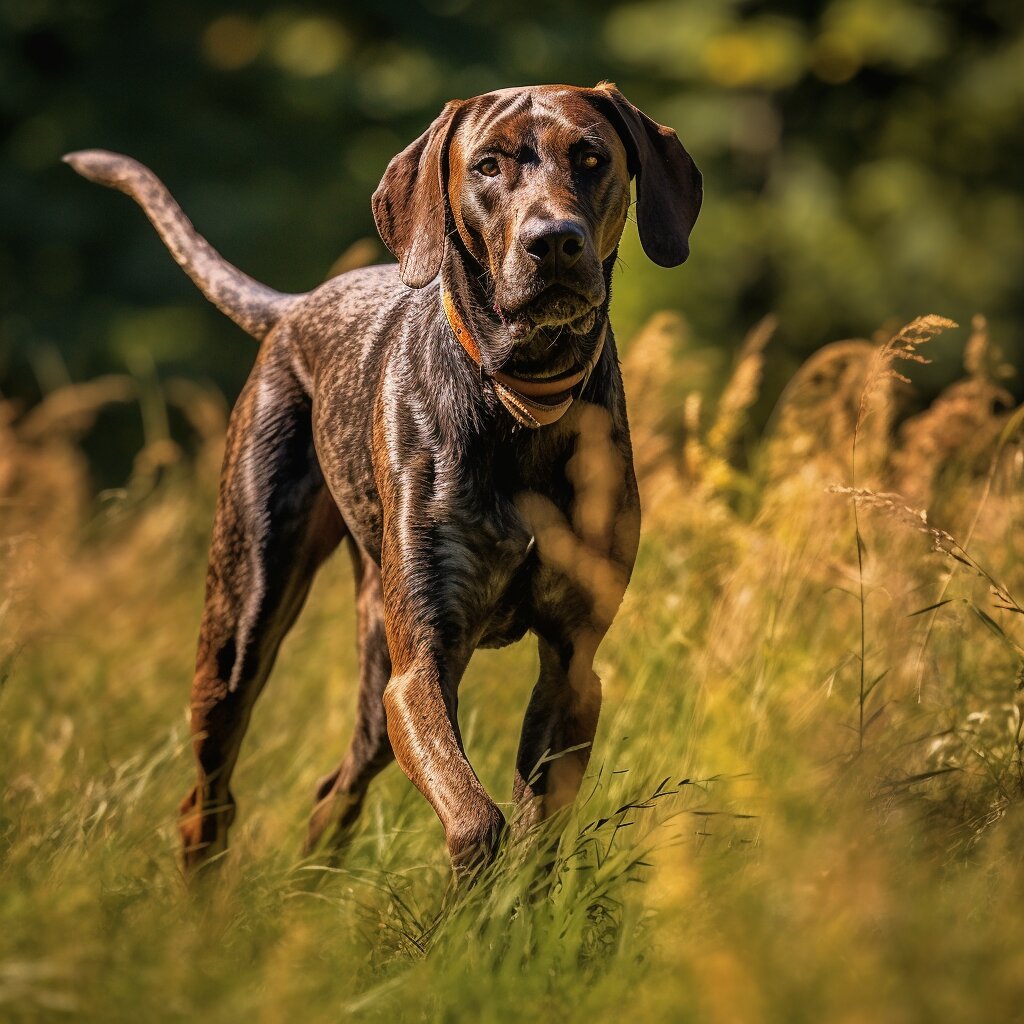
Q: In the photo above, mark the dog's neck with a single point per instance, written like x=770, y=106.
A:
x=533, y=397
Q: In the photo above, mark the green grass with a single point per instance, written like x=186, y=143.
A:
x=732, y=857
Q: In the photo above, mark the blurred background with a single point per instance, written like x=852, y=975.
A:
x=862, y=163
x=812, y=741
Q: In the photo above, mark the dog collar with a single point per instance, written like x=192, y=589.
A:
x=532, y=401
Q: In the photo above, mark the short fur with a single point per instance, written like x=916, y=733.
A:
x=364, y=421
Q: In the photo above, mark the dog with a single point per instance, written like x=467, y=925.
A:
x=458, y=420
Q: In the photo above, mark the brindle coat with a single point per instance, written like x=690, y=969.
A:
x=363, y=420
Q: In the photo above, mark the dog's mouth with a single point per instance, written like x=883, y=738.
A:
x=549, y=350
x=559, y=306
x=555, y=307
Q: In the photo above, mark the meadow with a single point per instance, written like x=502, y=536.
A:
x=805, y=798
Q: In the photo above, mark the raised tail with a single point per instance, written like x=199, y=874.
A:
x=253, y=306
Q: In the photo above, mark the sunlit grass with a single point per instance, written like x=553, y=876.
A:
x=744, y=847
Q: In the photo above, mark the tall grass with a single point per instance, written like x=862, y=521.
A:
x=769, y=831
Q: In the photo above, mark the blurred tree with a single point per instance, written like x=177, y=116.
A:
x=861, y=157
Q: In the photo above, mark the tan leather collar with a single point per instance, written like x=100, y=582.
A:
x=532, y=401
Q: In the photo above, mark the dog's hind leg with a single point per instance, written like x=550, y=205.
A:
x=340, y=794
x=275, y=525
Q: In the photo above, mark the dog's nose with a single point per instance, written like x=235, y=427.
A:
x=553, y=245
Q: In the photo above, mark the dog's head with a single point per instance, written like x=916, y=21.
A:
x=533, y=184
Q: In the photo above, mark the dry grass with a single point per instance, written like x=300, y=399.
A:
x=805, y=802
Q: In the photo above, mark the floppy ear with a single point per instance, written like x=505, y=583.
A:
x=409, y=204
x=668, y=184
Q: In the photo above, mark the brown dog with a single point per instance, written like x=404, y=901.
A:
x=460, y=421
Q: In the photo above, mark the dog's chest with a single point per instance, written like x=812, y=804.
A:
x=545, y=574
x=481, y=566
x=509, y=613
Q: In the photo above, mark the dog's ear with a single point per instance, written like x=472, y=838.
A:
x=668, y=185
x=409, y=204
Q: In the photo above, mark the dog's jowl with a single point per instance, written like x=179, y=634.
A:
x=458, y=421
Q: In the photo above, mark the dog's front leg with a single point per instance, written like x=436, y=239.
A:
x=421, y=705
x=585, y=551
x=432, y=590
x=558, y=730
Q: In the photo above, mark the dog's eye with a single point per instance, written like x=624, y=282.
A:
x=489, y=167
x=591, y=160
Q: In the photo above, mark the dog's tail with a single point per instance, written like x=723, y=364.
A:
x=253, y=306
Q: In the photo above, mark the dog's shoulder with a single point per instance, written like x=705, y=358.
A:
x=348, y=324
x=364, y=301
x=356, y=290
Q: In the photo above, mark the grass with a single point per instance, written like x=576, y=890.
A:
x=804, y=804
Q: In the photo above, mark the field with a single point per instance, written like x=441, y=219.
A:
x=805, y=799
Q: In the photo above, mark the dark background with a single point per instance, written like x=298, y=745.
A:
x=863, y=163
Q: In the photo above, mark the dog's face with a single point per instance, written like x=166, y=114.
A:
x=538, y=187
x=535, y=184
